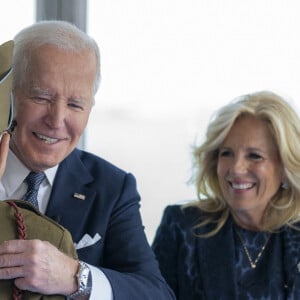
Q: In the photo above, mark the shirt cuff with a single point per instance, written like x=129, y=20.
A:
x=101, y=288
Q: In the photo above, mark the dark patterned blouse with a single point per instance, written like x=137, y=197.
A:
x=218, y=267
x=254, y=242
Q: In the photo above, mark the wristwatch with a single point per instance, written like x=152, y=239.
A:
x=84, y=280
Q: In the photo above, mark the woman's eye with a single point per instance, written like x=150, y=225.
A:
x=255, y=156
x=224, y=153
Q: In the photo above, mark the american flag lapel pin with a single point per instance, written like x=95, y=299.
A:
x=79, y=196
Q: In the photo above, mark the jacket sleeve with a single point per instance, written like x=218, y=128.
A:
x=129, y=263
x=165, y=246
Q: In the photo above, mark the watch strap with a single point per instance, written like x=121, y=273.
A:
x=84, y=281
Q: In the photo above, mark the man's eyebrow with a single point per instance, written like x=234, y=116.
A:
x=77, y=99
x=40, y=91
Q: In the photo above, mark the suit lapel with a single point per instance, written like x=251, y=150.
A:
x=217, y=258
x=70, y=199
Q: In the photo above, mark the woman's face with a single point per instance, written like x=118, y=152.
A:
x=249, y=169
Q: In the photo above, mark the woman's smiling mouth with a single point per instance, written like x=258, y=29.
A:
x=241, y=186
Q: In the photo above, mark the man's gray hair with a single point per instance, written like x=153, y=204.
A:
x=60, y=34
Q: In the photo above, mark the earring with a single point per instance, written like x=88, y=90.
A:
x=285, y=185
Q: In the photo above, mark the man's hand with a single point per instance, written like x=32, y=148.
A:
x=38, y=266
x=4, y=145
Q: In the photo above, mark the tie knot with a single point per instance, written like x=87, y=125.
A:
x=34, y=180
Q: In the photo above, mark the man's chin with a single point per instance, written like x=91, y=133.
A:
x=41, y=164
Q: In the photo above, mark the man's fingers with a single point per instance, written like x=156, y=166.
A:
x=14, y=246
x=4, y=146
x=11, y=273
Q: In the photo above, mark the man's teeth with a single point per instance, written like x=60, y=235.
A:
x=47, y=139
x=242, y=186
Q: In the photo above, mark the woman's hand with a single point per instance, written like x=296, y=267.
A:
x=4, y=146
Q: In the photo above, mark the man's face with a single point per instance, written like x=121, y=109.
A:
x=52, y=106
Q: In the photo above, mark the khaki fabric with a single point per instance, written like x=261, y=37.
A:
x=6, y=53
x=6, y=56
x=38, y=227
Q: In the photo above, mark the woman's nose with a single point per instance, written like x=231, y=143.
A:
x=239, y=165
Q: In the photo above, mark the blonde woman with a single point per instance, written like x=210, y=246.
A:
x=241, y=238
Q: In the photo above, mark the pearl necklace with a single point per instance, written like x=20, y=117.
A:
x=253, y=264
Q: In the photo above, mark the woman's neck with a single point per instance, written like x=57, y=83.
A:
x=247, y=220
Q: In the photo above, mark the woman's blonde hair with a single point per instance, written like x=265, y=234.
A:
x=284, y=125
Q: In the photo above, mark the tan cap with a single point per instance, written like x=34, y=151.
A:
x=6, y=54
x=20, y=220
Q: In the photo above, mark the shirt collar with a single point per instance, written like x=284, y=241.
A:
x=15, y=173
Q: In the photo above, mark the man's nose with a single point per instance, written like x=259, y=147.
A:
x=56, y=114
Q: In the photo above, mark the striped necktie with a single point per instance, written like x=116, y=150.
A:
x=33, y=181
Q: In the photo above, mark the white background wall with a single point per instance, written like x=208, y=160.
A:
x=167, y=65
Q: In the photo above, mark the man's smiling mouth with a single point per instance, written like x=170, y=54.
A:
x=46, y=139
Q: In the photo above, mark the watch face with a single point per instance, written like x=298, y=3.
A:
x=6, y=98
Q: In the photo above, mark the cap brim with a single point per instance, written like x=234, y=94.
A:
x=5, y=102
x=6, y=51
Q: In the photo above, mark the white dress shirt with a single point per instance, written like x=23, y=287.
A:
x=12, y=186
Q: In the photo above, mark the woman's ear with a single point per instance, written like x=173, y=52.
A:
x=284, y=182
x=285, y=185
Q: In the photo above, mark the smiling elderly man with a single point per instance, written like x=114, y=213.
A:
x=55, y=77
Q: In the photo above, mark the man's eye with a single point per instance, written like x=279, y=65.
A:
x=75, y=106
x=41, y=99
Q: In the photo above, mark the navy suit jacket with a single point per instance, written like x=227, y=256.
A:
x=204, y=268
x=111, y=209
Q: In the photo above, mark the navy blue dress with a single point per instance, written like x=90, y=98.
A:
x=217, y=268
x=254, y=241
